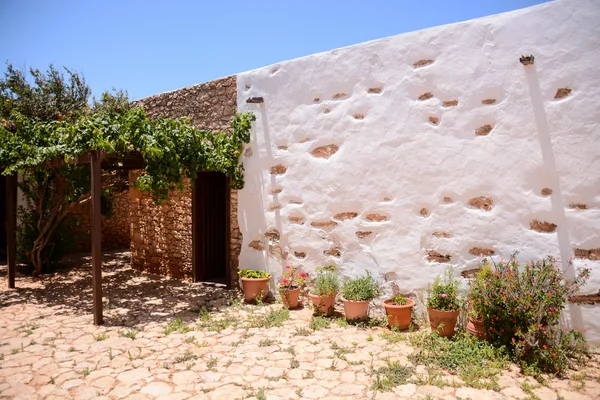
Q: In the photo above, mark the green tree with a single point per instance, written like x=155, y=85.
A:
x=33, y=146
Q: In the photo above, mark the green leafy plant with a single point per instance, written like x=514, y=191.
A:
x=364, y=288
x=443, y=295
x=326, y=281
x=398, y=300
x=253, y=274
x=48, y=121
x=292, y=278
x=521, y=306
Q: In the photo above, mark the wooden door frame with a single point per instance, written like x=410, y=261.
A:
x=198, y=272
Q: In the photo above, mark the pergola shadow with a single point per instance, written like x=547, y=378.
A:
x=131, y=297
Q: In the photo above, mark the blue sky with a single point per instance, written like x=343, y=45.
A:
x=149, y=47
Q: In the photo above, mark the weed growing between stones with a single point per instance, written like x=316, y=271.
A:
x=390, y=375
x=175, y=325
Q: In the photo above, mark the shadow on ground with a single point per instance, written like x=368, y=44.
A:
x=130, y=297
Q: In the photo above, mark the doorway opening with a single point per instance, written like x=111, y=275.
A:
x=211, y=228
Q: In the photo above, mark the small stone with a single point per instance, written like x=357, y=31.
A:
x=375, y=217
x=324, y=224
x=483, y=130
x=480, y=251
x=256, y=245
x=362, y=234
x=434, y=256
x=422, y=63
x=488, y=102
x=345, y=216
x=424, y=212
x=561, y=93
x=375, y=90
x=450, y=103
x=546, y=192
x=279, y=169
x=482, y=202
x=425, y=96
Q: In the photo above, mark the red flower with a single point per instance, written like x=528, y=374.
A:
x=287, y=267
x=285, y=281
x=303, y=274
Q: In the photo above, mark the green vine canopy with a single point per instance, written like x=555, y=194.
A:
x=172, y=148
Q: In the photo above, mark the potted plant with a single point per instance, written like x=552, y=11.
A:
x=356, y=295
x=290, y=285
x=475, y=302
x=254, y=284
x=443, y=304
x=325, y=289
x=399, y=311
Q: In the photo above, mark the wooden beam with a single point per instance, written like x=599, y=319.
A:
x=96, y=164
x=11, y=227
x=195, y=267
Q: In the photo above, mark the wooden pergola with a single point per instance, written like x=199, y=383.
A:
x=98, y=160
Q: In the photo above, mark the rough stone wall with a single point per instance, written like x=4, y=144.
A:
x=115, y=228
x=413, y=153
x=161, y=240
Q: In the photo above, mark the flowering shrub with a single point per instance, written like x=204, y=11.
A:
x=443, y=294
x=476, y=298
x=521, y=309
x=292, y=279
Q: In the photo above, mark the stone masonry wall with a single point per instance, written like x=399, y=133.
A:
x=161, y=236
x=115, y=228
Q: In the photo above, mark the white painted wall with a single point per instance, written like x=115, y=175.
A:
x=395, y=162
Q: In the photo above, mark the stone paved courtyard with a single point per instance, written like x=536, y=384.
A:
x=167, y=339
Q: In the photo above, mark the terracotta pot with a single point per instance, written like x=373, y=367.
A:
x=255, y=287
x=325, y=304
x=447, y=320
x=399, y=316
x=356, y=310
x=289, y=297
x=475, y=327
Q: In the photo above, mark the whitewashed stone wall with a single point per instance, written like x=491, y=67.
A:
x=409, y=153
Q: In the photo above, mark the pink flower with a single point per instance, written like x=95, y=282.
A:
x=285, y=281
x=303, y=274
x=443, y=295
x=287, y=267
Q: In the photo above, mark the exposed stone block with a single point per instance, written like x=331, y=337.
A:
x=561, y=93
x=256, y=245
x=274, y=206
x=375, y=217
x=282, y=147
x=375, y=90
x=483, y=130
x=300, y=254
x=440, y=234
x=390, y=276
x=326, y=110
x=592, y=254
x=543, y=226
x=425, y=96
x=295, y=201
x=470, y=273
x=450, y=103
x=339, y=96
x=278, y=252
x=334, y=251
x=324, y=224
x=546, y=191
x=488, y=102
x=422, y=63
x=586, y=298
x=276, y=190
x=447, y=199
x=358, y=116
x=424, y=212
x=578, y=206
x=325, y=151
x=482, y=202
x=273, y=234
x=481, y=251
x=317, y=99
x=434, y=120
x=434, y=256
x=279, y=169
x=345, y=215
x=297, y=219
x=362, y=234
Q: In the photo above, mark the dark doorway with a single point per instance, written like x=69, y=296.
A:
x=2, y=219
x=211, y=224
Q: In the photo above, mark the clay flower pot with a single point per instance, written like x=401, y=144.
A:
x=356, y=310
x=447, y=320
x=290, y=297
x=475, y=327
x=255, y=287
x=399, y=316
x=324, y=304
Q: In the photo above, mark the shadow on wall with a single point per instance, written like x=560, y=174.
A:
x=550, y=168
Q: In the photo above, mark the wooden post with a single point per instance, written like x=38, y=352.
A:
x=96, y=237
x=11, y=227
x=195, y=267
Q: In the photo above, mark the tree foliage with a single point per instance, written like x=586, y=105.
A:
x=50, y=120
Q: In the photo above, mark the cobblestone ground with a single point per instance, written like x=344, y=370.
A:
x=157, y=343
